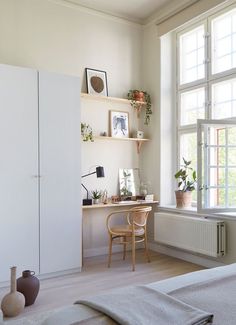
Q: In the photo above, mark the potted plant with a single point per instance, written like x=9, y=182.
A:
x=137, y=96
x=96, y=195
x=86, y=132
x=187, y=179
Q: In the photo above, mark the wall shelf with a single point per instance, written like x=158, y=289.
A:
x=112, y=99
x=139, y=142
x=125, y=101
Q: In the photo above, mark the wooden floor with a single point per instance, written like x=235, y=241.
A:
x=97, y=278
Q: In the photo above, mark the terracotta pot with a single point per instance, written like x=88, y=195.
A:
x=14, y=302
x=139, y=96
x=183, y=199
x=28, y=285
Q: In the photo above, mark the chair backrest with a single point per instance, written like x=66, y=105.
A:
x=138, y=215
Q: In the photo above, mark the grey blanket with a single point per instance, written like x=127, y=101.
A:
x=217, y=296
x=143, y=305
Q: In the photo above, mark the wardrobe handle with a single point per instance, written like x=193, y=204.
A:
x=36, y=176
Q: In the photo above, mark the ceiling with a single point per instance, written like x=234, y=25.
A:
x=134, y=10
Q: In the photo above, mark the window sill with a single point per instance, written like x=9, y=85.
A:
x=193, y=211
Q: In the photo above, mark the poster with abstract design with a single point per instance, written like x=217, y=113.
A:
x=96, y=82
x=119, y=124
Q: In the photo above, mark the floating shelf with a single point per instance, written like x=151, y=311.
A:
x=110, y=99
x=139, y=142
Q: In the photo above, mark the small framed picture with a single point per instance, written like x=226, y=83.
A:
x=96, y=82
x=119, y=124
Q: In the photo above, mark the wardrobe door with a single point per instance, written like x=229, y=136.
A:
x=60, y=208
x=19, y=209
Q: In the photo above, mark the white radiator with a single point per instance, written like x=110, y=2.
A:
x=196, y=234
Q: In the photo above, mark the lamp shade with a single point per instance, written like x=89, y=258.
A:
x=100, y=171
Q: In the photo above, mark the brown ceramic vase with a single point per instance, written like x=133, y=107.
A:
x=28, y=284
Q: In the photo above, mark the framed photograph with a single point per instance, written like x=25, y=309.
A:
x=96, y=82
x=119, y=124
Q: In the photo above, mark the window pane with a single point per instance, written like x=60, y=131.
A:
x=217, y=198
x=223, y=42
x=217, y=177
x=192, y=55
x=192, y=106
x=232, y=176
x=218, y=166
x=224, y=99
x=232, y=197
x=188, y=150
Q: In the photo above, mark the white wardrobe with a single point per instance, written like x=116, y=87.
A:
x=40, y=204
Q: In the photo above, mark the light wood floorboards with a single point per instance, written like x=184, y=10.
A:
x=97, y=278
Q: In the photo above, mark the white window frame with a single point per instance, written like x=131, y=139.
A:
x=200, y=147
x=206, y=82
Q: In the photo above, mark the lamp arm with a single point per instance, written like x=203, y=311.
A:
x=85, y=190
x=88, y=175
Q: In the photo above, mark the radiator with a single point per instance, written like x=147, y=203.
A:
x=195, y=234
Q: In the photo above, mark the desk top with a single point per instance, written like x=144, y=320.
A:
x=121, y=204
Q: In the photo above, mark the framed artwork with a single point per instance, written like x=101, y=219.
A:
x=96, y=82
x=119, y=124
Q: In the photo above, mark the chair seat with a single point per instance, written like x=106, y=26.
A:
x=126, y=230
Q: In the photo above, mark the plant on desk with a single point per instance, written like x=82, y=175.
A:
x=96, y=196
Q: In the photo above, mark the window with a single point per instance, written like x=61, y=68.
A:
x=217, y=154
x=206, y=92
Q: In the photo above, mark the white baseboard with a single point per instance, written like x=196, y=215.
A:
x=200, y=260
x=196, y=259
x=59, y=273
x=47, y=276
x=90, y=252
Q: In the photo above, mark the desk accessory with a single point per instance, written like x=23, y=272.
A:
x=100, y=173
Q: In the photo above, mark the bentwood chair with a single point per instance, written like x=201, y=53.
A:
x=134, y=231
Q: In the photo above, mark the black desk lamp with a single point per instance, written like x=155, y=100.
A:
x=100, y=173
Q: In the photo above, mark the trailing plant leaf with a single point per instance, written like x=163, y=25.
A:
x=86, y=132
x=135, y=104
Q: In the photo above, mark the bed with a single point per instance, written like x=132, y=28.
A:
x=212, y=292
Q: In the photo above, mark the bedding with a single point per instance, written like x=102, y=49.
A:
x=139, y=305
x=212, y=290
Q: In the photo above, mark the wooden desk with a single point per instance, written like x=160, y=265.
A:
x=123, y=204
x=95, y=236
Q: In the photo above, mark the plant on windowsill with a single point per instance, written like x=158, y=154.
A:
x=187, y=179
x=96, y=196
x=86, y=132
x=136, y=96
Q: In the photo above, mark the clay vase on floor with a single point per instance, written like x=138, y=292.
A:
x=14, y=302
x=28, y=284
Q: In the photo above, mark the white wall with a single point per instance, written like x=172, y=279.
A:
x=156, y=159
x=55, y=36
x=46, y=34
x=49, y=35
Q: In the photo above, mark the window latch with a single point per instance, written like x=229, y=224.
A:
x=206, y=35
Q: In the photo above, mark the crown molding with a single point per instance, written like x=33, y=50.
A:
x=168, y=11
x=165, y=12
x=73, y=5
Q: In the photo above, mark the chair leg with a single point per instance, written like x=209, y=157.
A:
x=133, y=252
x=146, y=248
x=110, y=250
x=124, y=249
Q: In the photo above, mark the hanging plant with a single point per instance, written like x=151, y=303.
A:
x=137, y=96
x=86, y=132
